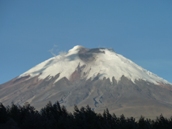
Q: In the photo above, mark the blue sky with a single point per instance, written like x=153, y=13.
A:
x=139, y=30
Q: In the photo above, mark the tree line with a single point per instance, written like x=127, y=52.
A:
x=55, y=116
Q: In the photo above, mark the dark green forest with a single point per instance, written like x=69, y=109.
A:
x=54, y=116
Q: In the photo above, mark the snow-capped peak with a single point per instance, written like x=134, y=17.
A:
x=101, y=63
x=76, y=48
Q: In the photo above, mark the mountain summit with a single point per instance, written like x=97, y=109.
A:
x=99, y=63
x=98, y=77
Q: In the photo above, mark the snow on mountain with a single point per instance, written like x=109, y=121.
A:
x=97, y=62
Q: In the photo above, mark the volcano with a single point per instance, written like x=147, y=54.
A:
x=97, y=77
